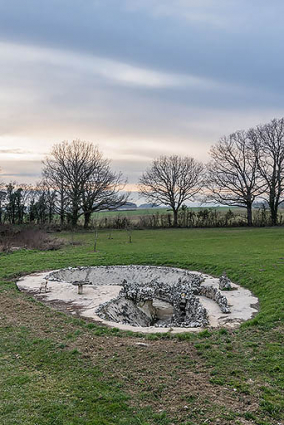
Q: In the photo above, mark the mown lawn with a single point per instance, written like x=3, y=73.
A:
x=57, y=369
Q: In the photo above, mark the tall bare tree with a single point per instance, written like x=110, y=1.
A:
x=103, y=191
x=69, y=167
x=2, y=199
x=268, y=142
x=83, y=179
x=171, y=180
x=53, y=177
x=42, y=205
x=233, y=177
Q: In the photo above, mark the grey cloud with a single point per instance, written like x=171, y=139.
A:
x=242, y=51
x=140, y=78
x=14, y=151
x=23, y=171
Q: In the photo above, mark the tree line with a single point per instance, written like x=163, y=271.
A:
x=76, y=181
x=245, y=167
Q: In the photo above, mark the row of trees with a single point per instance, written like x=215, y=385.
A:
x=245, y=166
x=249, y=165
x=77, y=180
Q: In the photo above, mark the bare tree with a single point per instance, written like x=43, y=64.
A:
x=83, y=180
x=42, y=205
x=103, y=190
x=2, y=199
x=268, y=142
x=233, y=177
x=70, y=165
x=53, y=177
x=171, y=180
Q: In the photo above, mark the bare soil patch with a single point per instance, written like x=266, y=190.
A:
x=168, y=375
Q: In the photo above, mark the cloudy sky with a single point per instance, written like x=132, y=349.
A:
x=140, y=78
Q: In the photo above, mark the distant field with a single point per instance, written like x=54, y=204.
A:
x=130, y=213
x=56, y=369
x=142, y=211
x=163, y=217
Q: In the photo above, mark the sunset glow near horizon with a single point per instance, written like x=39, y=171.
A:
x=139, y=79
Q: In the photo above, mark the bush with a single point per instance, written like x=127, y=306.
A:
x=12, y=238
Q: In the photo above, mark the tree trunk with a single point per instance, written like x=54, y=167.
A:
x=274, y=214
x=62, y=212
x=175, y=218
x=249, y=214
x=273, y=205
x=74, y=217
x=50, y=215
x=87, y=218
x=61, y=218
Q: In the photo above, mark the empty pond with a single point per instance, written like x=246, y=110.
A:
x=145, y=298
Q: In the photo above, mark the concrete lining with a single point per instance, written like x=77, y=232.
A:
x=106, y=285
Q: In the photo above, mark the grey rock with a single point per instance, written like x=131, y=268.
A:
x=215, y=295
x=225, y=283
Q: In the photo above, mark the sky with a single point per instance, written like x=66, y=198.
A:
x=138, y=78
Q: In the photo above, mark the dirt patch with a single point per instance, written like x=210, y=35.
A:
x=168, y=375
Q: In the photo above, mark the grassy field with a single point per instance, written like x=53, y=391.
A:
x=150, y=211
x=56, y=369
x=153, y=218
x=130, y=213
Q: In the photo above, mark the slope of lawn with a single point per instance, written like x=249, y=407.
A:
x=59, y=369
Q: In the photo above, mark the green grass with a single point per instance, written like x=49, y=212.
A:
x=151, y=211
x=45, y=382
x=130, y=213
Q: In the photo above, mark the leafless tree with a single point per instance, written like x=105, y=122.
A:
x=171, y=180
x=42, y=205
x=53, y=177
x=268, y=142
x=2, y=199
x=233, y=177
x=69, y=167
x=102, y=190
x=83, y=180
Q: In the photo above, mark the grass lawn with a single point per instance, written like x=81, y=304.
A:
x=57, y=369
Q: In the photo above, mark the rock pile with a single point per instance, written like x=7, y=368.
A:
x=224, y=283
x=122, y=310
x=215, y=295
x=179, y=298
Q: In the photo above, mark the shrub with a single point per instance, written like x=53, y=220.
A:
x=30, y=238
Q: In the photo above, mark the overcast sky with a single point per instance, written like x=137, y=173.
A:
x=140, y=78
